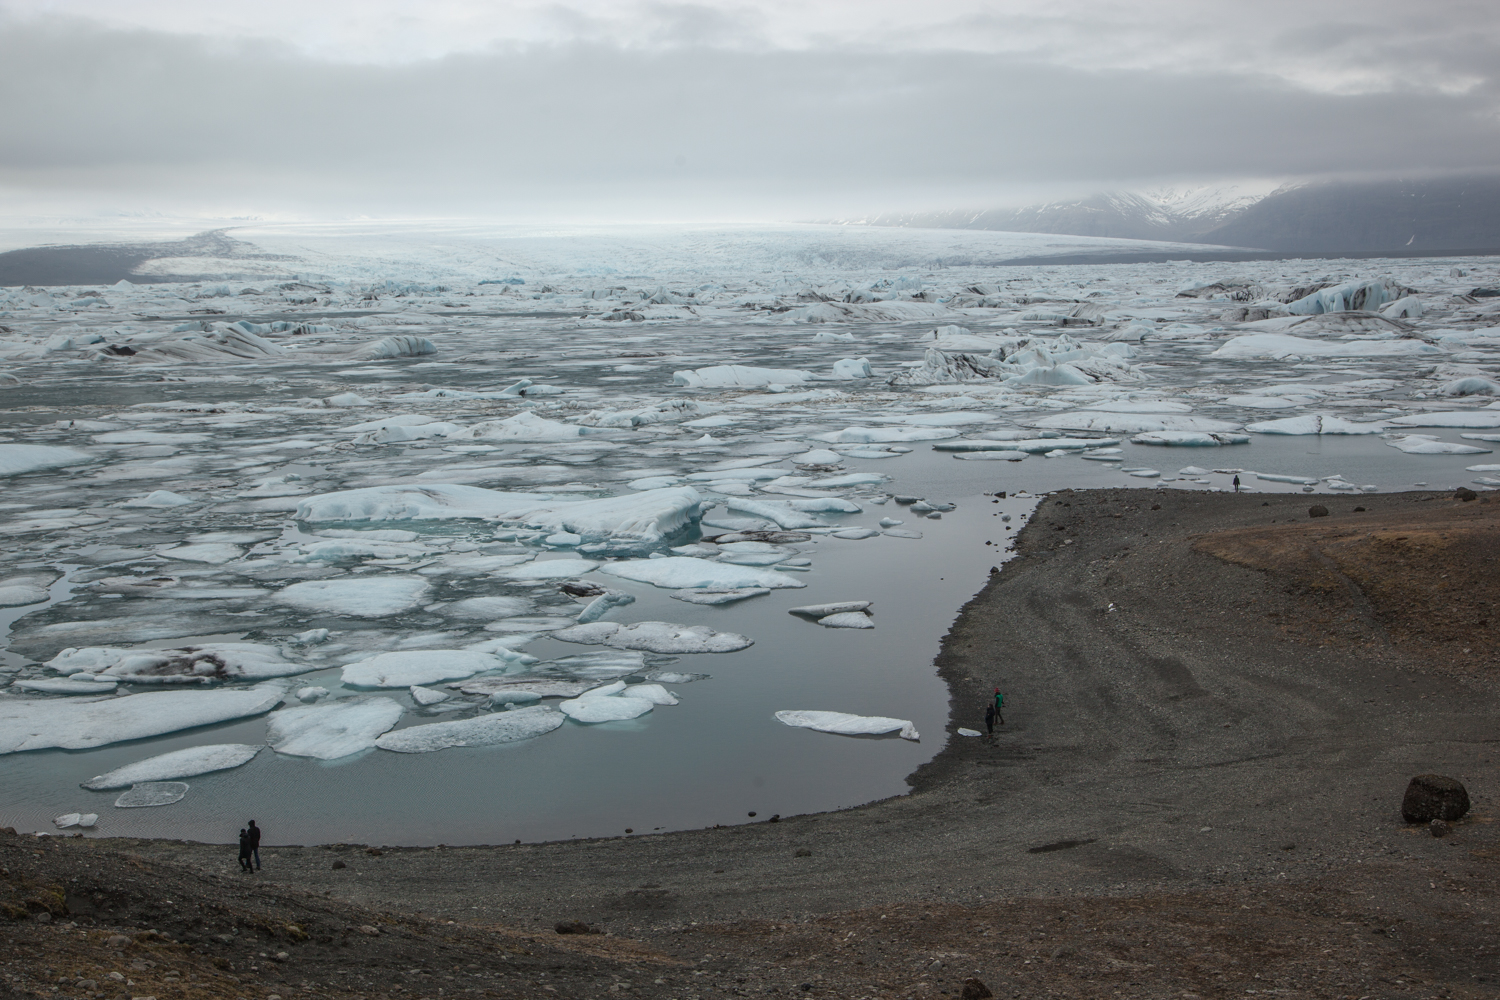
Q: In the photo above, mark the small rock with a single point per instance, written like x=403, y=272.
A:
x=43, y=917
x=1358, y=510
x=975, y=990
x=1155, y=506
x=369, y=929
x=1439, y=828
x=118, y=977
x=1317, y=510
x=803, y=852
x=374, y=851
x=1465, y=494
x=1433, y=796
x=339, y=864
x=116, y=941
x=574, y=927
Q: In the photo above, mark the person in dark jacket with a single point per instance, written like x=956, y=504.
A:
x=245, y=849
x=254, y=832
x=989, y=718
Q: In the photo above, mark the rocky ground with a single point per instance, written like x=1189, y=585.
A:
x=1214, y=704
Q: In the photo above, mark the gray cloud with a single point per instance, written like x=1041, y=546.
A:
x=143, y=117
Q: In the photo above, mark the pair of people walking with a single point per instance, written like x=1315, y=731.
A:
x=250, y=848
x=992, y=712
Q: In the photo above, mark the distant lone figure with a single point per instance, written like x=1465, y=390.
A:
x=1236, y=484
x=989, y=718
x=999, y=706
x=245, y=849
x=254, y=832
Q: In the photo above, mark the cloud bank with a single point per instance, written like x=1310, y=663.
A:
x=685, y=127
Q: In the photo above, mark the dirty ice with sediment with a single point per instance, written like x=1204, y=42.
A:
x=487, y=534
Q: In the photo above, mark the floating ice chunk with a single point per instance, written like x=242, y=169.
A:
x=1455, y=418
x=1471, y=386
x=1279, y=346
x=673, y=677
x=852, y=368
x=530, y=623
x=654, y=693
x=886, y=435
x=68, y=685
x=187, y=763
x=850, y=479
x=1354, y=295
x=1192, y=470
x=525, y=426
x=69, y=820
x=563, y=539
x=848, y=725
x=726, y=595
x=1129, y=423
x=149, y=437
x=781, y=514
x=901, y=533
x=308, y=695
x=727, y=376
x=160, y=498
x=1316, y=423
x=16, y=459
x=484, y=731
x=332, y=730
x=417, y=666
x=969, y=732
x=818, y=456
x=855, y=534
x=218, y=661
x=368, y=596
x=991, y=456
x=824, y=610
x=1482, y=468
x=20, y=591
x=826, y=504
x=603, y=604
x=1060, y=374
x=523, y=687
x=213, y=553
x=74, y=724
x=1272, y=478
x=347, y=399
x=847, y=619
x=414, y=503
x=1143, y=473
x=152, y=793
x=427, y=696
x=593, y=708
x=686, y=572
x=646, y=517
x=654, y=637
x=487, y=608
x=398, y=435
x=1190, y=439
x=1426, y=444
x=550, y=569
x=829, y=336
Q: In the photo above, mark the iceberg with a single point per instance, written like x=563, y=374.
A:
x=417, y=666
x=18, y=459
x=152, y=793
x=718, y=595
x=654, y=637
x=1427, y=444
x=1190, y=439
x=851, y=368
x=606, y=704
x=1316, y=423
x=689, y=573
x=848, y=725
x=824, y=610
x=414, y=503
x=1280, y=346
x=483, y=731
x=847, y=619
x=334, y=729
x=368, y=596
x=654, y=693
x=731, y=376
x=1455, y=418
x=78, y=724
x=781, y=514
x=220, y=661
x=646, y=517
x=187, y=763
x=524, y=426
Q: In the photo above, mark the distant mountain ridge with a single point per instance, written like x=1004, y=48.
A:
x=1330, y=216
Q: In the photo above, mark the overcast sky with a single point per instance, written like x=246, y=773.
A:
x=769, y=109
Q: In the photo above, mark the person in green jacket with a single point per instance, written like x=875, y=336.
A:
x=999, y=706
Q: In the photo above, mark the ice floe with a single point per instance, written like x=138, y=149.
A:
x=333, y=729
x=417, y=666
x=186, y=763
x=654, y=637
x=152, y=793
x=848, y=725
x=188, y=664
x=689, y=573
x=365, y=597
x=77, y=724
x=481, y=731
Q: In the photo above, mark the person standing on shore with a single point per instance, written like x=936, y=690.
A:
x=989, y=719
x=1236, y=484
x=245, y=851
x=255, y=843
x=999, y=706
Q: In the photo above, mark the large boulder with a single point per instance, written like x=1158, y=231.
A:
x=1433, y=796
